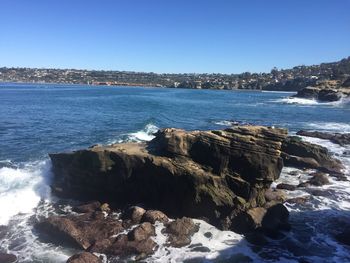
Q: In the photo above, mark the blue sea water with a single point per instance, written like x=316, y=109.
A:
x=39, y=119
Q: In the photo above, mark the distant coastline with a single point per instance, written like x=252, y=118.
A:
x=293, y=79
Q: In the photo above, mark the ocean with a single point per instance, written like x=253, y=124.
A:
x=37, y=119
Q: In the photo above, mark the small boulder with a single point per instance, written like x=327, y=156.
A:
x=105, y=208
x=249, y=220
x=180, y=231
x=153, y=216
x=84, y=257
x=142, y=232
x=277, y=195
x=7, y=258
x=275, y=219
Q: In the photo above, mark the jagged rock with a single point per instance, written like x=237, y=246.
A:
x=180, y=231
x=288, y=187
x=133, y=214
x=7, y=258
x=275, y=219
x=319, y=179
x=300, y=154
x=153, y=216
x=87, y=208
x=320, y=93
x=79, y=231
x=123, y=246
x=84, y=257
x=105, y=208
x=201, y=174
x=338, y=138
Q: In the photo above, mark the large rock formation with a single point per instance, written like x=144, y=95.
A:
x=324, y=91
x=214, y=175
x=301, y=154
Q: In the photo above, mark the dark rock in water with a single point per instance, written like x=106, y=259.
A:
x=153, y=216
x=7, y=258
x=338, y=138
x=84, y=257
x=344, y=237
x=201, y=249
x=319, y=179
x=288, y=187
x=256, y=238
x=329, y=95
x=300, y=154
x=236, y=258
x=208, y=235
x=320, y=192
x=79, y=231
x=86, y=208
x=304, y=184
x=180, y=231
x=275, y=219
x=201, y=174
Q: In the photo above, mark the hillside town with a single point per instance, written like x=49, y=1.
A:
x=277, y=79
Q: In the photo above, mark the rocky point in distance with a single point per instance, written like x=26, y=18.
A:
x=326, y=91
x=222, y=177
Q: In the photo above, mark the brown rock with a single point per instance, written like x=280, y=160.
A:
x=153, y=216
x=277, y=195
x=248, y=221
x=298, y=200
x=338, y=138
x=142, y=232
x=84, y=257
x=180, y=231
x=79, y=231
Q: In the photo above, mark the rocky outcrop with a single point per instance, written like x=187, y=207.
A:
x=301, y=154
x=180, y=232
x=338, y=138
x=324, y=91
x=213, y=175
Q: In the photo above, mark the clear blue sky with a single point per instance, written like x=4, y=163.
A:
x=173, y=35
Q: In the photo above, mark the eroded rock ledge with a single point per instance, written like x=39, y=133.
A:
x=212, y=175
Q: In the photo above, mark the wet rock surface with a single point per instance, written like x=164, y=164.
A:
x=180, y=231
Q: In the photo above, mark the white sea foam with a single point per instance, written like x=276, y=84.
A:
x=21, y=189
x=330, y=126
x=146, y=134
x=311, y=102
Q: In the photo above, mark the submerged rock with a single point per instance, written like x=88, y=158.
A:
x=202, y=174
x=338, y=138
x=319, y=179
